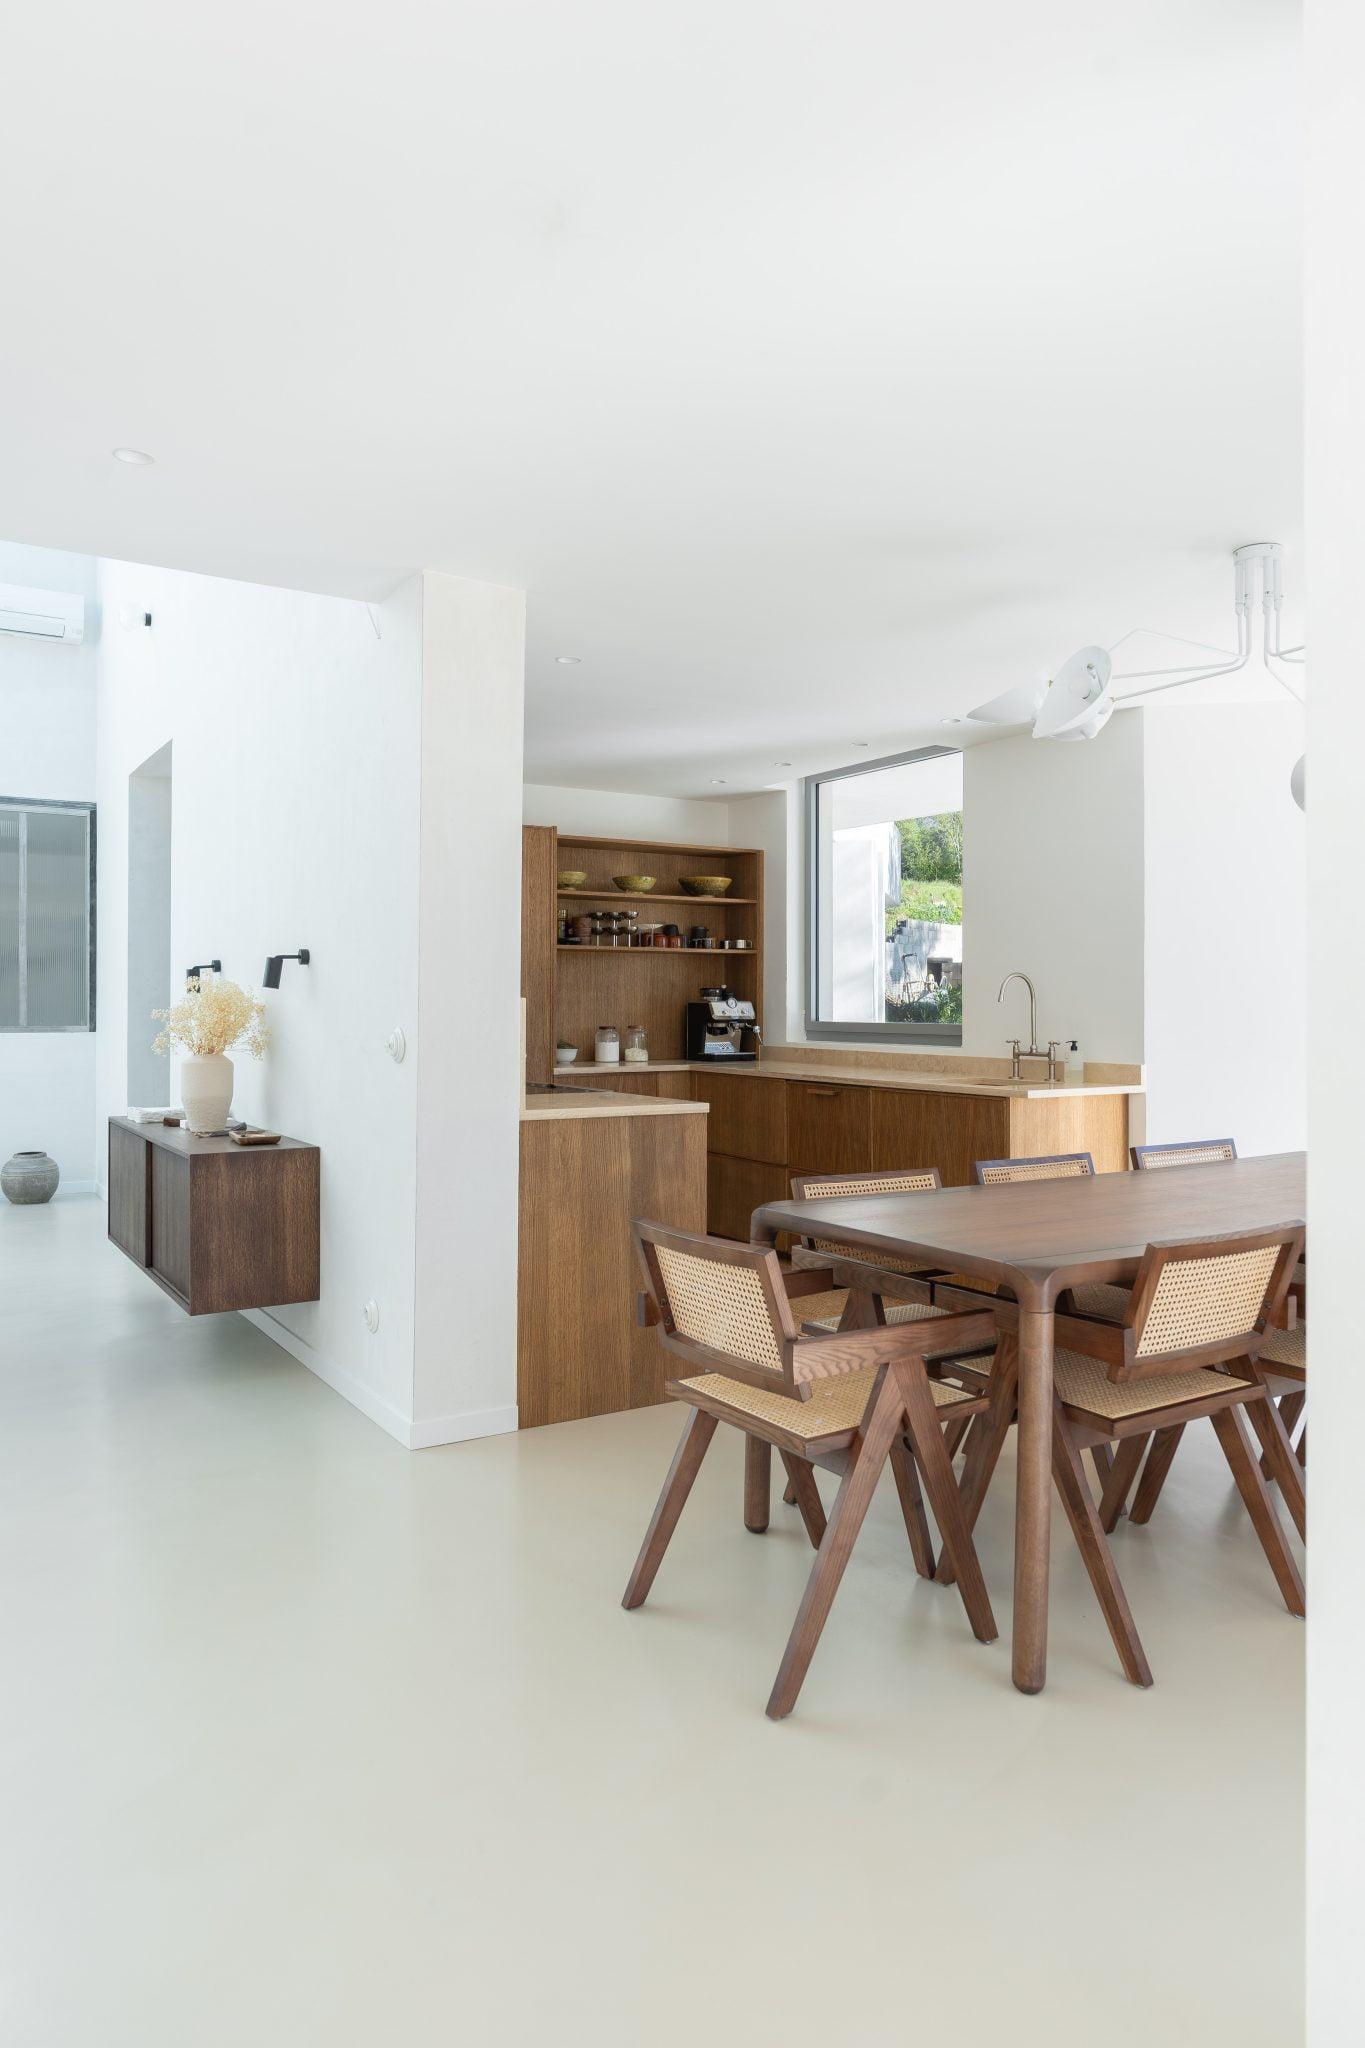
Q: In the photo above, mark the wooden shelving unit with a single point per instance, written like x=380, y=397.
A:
x=571, y=1001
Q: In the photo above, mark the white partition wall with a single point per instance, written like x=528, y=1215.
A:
x=347, y=778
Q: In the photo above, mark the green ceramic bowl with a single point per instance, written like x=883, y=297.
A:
x=573, y=878
x=634, y=885
x=705, y=885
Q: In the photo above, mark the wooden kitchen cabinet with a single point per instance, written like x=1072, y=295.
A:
x=748, y=1117
x=736, y=1187
x=951, y=1132
x=828, y=1127
x=217, y=1226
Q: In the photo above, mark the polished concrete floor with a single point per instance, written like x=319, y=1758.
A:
x=307, y=1739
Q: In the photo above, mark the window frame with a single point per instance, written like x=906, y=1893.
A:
x=869, y=1032
x=25, y=804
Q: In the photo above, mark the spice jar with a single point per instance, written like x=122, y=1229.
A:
x=608, y=1046
x=635, y=1049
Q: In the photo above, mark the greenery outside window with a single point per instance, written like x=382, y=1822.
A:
x=884, y=846
x=47, y=916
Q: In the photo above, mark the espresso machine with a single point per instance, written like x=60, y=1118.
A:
x=721, y=1027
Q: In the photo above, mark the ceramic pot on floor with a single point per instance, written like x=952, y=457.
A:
x=206, y=1090
x=29, y=1177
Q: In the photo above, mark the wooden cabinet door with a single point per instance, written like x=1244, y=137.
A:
x=736, y=1187
x=539, y=858
x=828, y=1128
x=910, y=1128
x=748, y=1117
x=128, y=1155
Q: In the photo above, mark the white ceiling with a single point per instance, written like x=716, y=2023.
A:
x=817, y=370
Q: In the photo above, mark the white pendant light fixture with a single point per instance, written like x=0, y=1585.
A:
x=1079, y=700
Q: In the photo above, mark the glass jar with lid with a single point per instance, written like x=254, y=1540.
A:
x=635, y=1046
x=607, y=1051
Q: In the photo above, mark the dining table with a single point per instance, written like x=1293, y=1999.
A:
x=1038, y=1238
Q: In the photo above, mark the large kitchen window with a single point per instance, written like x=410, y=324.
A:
x=47, y=906
x=884, y=889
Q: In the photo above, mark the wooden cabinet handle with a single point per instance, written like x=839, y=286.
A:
x=824, y=1091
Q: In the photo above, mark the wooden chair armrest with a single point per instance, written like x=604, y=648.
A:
x=853, y=1350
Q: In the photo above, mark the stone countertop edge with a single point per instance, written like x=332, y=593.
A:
x=547, y=1110
x=848, y=1077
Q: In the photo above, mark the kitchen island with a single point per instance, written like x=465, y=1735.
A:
x=590, y=1162
x=817, y=1109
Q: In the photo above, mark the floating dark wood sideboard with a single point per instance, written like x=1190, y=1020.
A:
x=218, y=1226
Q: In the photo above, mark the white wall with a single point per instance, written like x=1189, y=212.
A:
x=469, y=1016
x=771, y=821
x=47, y=749
x=1053, y=887
x=1226, y=937
x=297, y=748
x=1334, y=318
x=615, y=814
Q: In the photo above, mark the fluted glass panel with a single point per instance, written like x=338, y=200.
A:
x=11, y=924
x=57, y=920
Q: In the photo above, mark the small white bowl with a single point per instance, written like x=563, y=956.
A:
x=565, y=1055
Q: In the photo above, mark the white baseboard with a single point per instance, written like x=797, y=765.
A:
x=414, y=1436
x=77, y=1187
x=355, y=1391
x=462, y=1429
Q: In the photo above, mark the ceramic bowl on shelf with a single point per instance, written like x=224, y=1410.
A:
x=565, y=1055
x=705, y=885
x=573, y=878
x=634, y=885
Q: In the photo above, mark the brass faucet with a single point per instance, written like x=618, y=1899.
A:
x=1033, y=1051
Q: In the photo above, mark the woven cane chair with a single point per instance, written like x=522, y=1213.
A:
x=905, y=1278
x=882, y=1287
x=1110, y=1303
x=1199, y=1320
x=843, y=1401
x=1188, y=1152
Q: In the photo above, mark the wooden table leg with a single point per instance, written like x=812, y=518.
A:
x=1033, y=1502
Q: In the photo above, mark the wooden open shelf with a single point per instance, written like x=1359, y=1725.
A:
x=614, y=895
x=571, y=1004
x=672, y=952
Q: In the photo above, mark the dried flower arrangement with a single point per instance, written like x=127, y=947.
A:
x=213, y=1015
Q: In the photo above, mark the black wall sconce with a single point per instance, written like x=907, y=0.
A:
x=271, y=977
x=193, y=973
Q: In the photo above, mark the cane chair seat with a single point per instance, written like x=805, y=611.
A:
x=1285, y=1353
x=890, y=1262
x=1083, y=1384
x=1110, y=1304
x=835, y=1409
x=896, y=1312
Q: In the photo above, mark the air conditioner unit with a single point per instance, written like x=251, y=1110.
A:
x=41, y=614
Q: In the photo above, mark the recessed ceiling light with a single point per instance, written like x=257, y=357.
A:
x=782, y=764
x=718, y=779
x=863, y=745
x=134, y=455
x=568, y=660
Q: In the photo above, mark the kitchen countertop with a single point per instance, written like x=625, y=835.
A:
x=848, y=1077
x=557, y=1105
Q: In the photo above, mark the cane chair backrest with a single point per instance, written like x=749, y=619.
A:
x=991, y=1173
x=1190, y=1152
x=1200, y=1302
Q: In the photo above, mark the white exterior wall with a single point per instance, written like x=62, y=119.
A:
x=47, y=749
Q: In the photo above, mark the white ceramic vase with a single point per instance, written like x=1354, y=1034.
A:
x=205, y=1090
